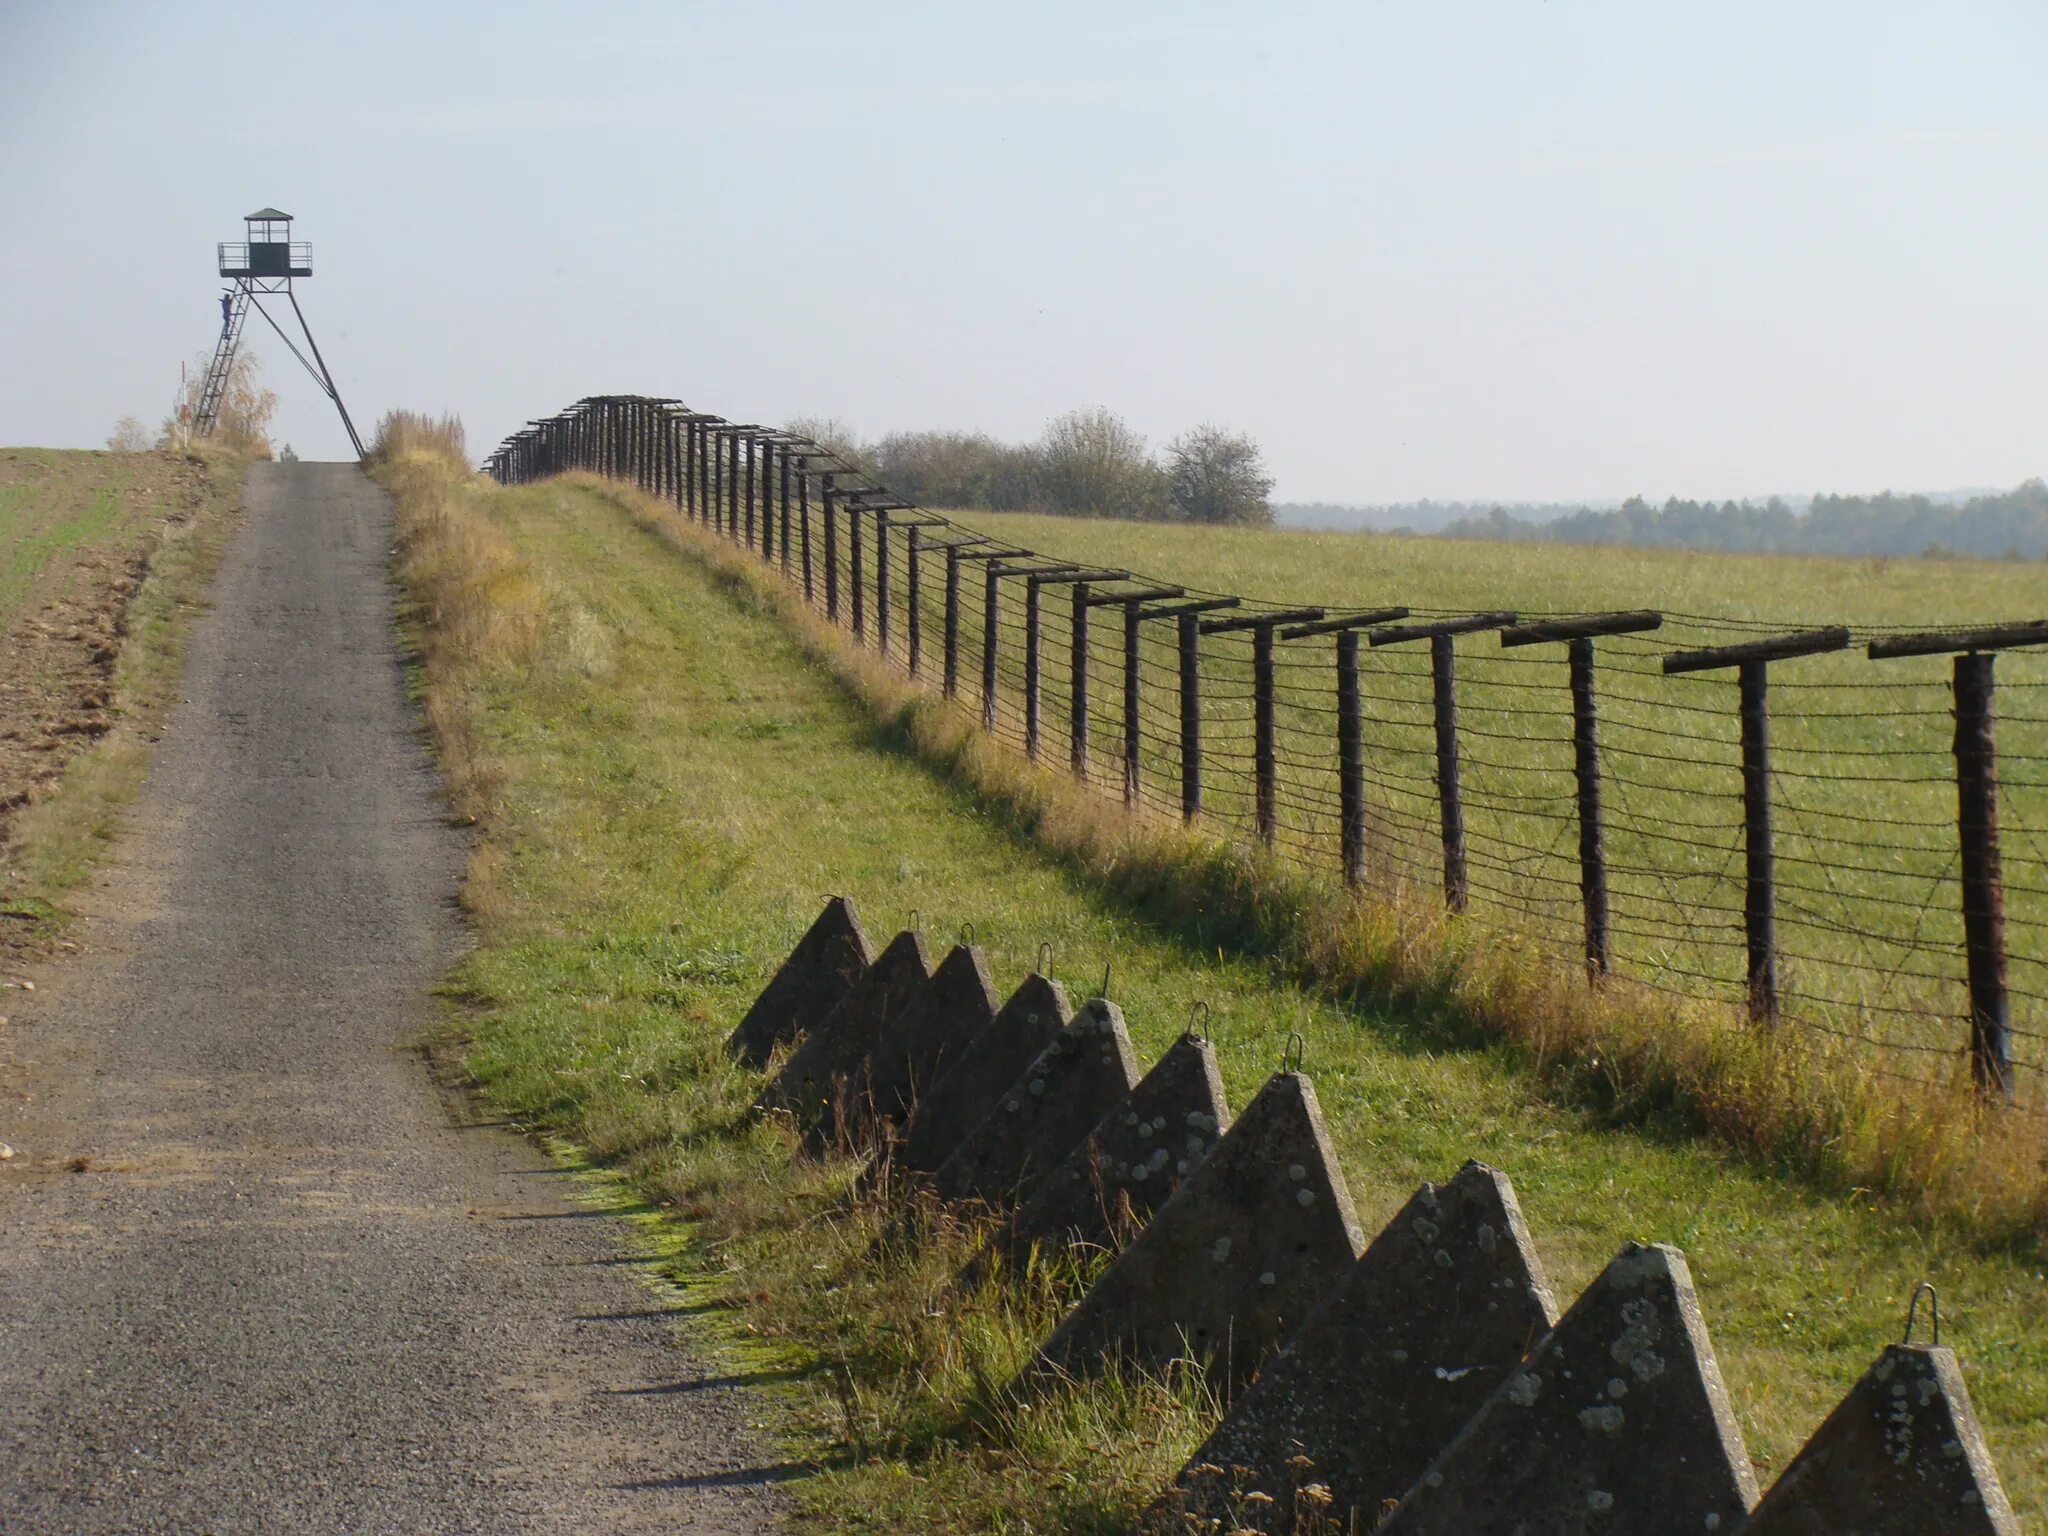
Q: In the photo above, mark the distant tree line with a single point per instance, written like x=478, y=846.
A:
x=1085, y=464
x=2011, y=525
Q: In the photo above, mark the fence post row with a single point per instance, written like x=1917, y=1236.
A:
x=695, y=459
x=1752, y=661
x=1444, y=700
x=1578, y=635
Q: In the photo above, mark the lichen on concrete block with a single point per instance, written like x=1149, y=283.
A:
x=1231, y=1265
x=1617, y=1421
x=1902, y=1456
x=1133, y=1160
x=1086, y=1071
x=832, y=955
x=1435, y=1313
x=965, y=1094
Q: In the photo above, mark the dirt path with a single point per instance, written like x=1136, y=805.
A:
x=256, y=1274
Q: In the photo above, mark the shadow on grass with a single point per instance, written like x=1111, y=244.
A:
x=740, y=1477
x=741, y=1379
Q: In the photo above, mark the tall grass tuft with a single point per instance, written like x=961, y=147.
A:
x=476, y=605
x=404, y=432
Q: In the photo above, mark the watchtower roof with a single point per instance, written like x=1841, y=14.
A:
x=268, y=213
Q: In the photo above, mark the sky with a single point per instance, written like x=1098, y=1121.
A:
x=1465, y=250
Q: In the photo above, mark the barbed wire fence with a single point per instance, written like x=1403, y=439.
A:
x=1814, y=825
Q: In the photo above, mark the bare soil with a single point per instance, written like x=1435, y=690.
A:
x=77, y=534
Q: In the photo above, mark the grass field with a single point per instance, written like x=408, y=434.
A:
x=1870, y=931
x=103, y=561
x=666, y=784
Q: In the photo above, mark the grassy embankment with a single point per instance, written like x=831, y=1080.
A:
x=74, y=527
x=667, y=778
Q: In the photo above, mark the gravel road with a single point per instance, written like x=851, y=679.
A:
x=257, y=1272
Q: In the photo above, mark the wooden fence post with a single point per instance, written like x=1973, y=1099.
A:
x=1134, y=616
x=882, y=579
x=690, y=428
x=1057, y=575
x=991, y=615
x=831, y=517
x=957, y=550
x=1976, y=753
x=1351, y=825
x=913, y=618
x=1031, y=586
x=1190, y=717
x=950, y=635
x=1759, y=900
x=733, y=488
x=1983, y=884
x=1265, y=764
x=782, y=542
x=1578, y=635
x=1077, y=679
x=803, y=512
x=855, y=568
x=1350, y=762
x=767, y=446
x=718, y=439
x=1444, y=700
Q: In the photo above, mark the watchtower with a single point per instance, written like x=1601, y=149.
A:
x=270, y=252
x=263, y=266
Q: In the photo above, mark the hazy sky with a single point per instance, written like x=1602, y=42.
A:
x=1445, y=249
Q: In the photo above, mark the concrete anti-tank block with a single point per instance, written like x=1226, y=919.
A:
x=1232, y=1264
x=1902, y=1456
x=1087, y=1070
x=1135, y=1158
x=832, y=955
x=1616, y=1422
x=967, y=1092
x=1341, y=1421
x=957, y=1004
x=825, y=1067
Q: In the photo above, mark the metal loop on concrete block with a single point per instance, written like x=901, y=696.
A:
x=1199, y=1027
x=1295, y=1054
x=1933, y=1308
x=1045, y=958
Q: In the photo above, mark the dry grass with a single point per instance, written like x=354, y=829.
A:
x=483, y=606
x=403, y=433
x=1784, y=1096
